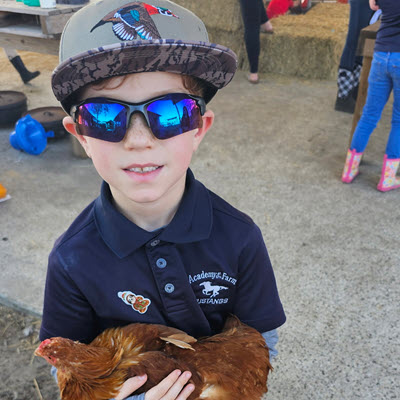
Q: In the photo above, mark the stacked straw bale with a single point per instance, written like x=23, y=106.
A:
x=307, y=46
x=223, y=21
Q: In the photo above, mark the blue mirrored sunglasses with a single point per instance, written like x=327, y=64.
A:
x=167, y=116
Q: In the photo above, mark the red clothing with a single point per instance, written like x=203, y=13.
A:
x=278, y=7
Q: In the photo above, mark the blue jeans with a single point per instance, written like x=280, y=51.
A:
x=360, y=14
x=383, y=78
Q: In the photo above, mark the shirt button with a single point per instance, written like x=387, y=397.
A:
x=154, y=242
x=161, y=263
x=169, y=287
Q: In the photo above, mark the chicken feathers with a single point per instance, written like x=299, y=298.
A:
x=232, y=365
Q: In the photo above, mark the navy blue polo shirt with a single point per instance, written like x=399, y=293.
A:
x=208, y=262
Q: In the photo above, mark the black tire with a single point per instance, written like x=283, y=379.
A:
x=12, y=106
x=50, y=118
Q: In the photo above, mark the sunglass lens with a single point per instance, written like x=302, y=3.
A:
x=172, y=116
x=105, y=121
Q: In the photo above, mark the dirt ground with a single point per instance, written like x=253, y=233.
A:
x=18, y=340
x=19, y=331
x=325, y=247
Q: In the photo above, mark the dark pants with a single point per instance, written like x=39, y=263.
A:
x=360, y=14
x=253, y=14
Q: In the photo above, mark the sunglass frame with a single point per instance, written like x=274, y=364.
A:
x=137, y=107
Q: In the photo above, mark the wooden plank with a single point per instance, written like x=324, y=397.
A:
x=362, y=94
x=369, y=46
x=34, y=31
x=368, y=32
x=54, y=24
x=21, y=8
x=36, y=44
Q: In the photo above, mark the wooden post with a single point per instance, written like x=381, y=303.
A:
x=363, y=85
x=366, y=46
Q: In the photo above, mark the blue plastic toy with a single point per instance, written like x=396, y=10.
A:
x=29, y=136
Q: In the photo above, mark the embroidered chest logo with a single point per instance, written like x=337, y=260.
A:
x=212, y=286
x=137, y=302
x=133, y=21
x=210, y=289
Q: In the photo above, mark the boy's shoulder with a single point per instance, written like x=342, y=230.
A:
x=82, y=226
x=226, y=210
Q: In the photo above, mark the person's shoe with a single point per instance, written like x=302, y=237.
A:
x=351, y=165
x=266, y=27
x=25, y=75
x=253, y=78
x=345, y=104
x=388, y=180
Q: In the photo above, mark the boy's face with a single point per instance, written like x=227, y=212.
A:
x=121, y=164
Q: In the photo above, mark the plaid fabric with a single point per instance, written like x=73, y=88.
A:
x=347, y=80
x=357, y=74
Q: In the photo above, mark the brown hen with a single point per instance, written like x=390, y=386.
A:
x=232, y=365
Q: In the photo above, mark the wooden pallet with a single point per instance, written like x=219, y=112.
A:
x=33, y=28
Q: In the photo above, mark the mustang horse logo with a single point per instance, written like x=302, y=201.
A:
x=210, y=289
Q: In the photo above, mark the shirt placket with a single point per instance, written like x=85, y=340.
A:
x=174, y=289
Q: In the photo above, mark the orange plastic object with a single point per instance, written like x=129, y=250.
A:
x=3, y=191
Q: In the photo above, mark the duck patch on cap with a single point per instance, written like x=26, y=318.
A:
x=134, y=21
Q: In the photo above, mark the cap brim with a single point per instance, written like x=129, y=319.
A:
x=213, y=63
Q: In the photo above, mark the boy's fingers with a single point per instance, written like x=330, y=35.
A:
x=130, y=385
x=158, y=391
x=171, y=387
x=186, y=392
x=176, y=392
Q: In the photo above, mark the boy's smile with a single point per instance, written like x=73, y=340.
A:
x=146, y=175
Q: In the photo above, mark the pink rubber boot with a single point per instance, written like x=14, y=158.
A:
x=388, y=180
x=350, y=170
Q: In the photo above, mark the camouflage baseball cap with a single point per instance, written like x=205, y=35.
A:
x=112, y=37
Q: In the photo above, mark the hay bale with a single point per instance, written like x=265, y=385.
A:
x=307, y=46
x=224, y=16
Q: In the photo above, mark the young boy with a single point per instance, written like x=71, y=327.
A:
x=156, y=246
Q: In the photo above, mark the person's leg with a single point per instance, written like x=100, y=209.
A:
x=393, y=145
x=380, y=86
x=251, y=20
x=360, y=14
x=19, y=65
x=265, y=23
x=364, y=17
x=391, y=160
x=350, y=64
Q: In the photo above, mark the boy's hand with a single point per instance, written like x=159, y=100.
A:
x=130, y=385
x=373, y=5
x=172, y=387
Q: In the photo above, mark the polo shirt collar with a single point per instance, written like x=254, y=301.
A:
x=191, y=223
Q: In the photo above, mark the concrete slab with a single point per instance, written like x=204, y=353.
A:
x=276, y=152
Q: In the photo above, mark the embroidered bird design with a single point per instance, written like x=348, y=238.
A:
x=133, y=21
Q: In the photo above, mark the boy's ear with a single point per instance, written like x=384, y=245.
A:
x=208, y=120
x=70, y=127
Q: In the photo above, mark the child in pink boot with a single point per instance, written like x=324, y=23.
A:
x=383, y=78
